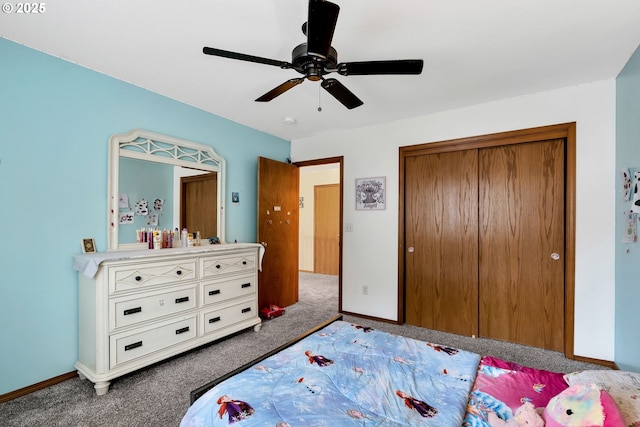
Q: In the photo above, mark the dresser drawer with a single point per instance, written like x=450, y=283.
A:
x=220, y=318
x=125, y=311
x=225, y=289
x=139, y=275
x=132, y=345
x=218, y=265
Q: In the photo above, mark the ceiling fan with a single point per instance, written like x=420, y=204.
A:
x=316, y=58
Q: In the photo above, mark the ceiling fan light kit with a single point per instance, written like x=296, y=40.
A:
x=317, y=58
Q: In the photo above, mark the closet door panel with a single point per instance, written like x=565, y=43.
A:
x=441, y=274
x=521, y=243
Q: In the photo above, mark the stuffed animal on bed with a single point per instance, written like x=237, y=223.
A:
x=526, y=415
x=583, y=405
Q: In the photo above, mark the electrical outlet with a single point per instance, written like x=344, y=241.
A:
x=348, y=227
x=365, y=290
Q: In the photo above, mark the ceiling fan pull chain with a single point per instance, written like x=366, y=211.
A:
x=319, y=106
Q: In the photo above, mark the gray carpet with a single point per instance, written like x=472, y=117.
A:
x=159, y=395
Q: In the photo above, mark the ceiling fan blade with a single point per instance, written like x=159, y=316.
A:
x=243, y=57
x=279, y=90
x=321, y=24
x=341, y=93
x=402, y=66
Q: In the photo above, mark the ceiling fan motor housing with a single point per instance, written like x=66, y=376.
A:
x=313, y=65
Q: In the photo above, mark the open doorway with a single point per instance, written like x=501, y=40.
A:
x=320, y=237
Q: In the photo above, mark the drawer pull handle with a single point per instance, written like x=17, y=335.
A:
x=246, y=285
x=132, y=346
x=182, y=330
x=214, y=292
x=214, y=319
x=179, y=272
x=138, y=278
x=132, y=311
x=244, y=262
x=218, y=266
x=183, y=299
x=246, y=310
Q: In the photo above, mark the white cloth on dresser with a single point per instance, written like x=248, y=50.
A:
x=88, y=264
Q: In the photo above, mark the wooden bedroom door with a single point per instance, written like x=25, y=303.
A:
x=326, y=229
x=278, y=223
x=441, y=235
x=199, y=204
x=521, y=243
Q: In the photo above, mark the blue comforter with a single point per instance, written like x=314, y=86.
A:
x=345, y=375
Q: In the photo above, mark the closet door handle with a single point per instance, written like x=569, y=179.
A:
x=410, y=249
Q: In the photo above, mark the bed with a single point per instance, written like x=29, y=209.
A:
x=345, y=374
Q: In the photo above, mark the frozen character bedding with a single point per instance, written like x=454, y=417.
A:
x=345, y=375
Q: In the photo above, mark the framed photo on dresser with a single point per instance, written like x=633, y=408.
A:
x=88, y=246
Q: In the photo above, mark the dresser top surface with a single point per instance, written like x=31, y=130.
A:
x=88, y=264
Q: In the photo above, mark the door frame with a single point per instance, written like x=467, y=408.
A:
x=566, y=131
x=340, y=161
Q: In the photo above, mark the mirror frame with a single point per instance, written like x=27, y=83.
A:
x=154, y=147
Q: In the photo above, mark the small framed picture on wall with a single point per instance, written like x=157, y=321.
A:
x=88, y=246
x=371, y=193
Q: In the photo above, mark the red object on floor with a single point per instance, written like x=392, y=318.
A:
x=271, y=311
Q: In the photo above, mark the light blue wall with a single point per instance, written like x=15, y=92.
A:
x=627, y=335
x=142, y=180
x=55, y=123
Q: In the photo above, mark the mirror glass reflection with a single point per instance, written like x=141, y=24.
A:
x=151, y=197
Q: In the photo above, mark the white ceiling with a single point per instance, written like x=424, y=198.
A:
x=474, y=51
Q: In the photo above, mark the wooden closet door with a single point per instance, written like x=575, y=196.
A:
x=521, y=220
x=441, y=234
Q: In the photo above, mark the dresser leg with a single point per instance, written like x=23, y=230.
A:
x=257, y=327
x=102, y=387
x=82, y=376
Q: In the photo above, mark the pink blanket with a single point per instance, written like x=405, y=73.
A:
x=502, y=387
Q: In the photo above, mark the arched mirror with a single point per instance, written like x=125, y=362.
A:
x=154, y=183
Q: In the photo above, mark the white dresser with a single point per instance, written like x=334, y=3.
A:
x=140, y=307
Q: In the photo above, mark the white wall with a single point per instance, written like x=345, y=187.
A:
x=370, y=252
